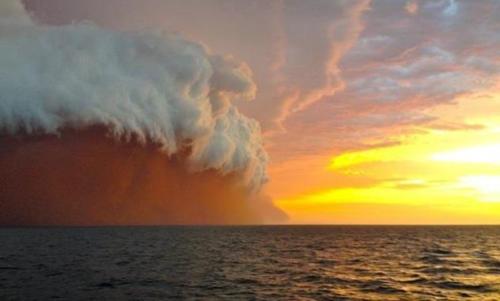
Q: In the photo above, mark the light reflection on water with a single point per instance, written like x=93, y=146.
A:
x=263, y=262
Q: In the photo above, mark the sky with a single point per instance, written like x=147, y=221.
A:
x=373, y=112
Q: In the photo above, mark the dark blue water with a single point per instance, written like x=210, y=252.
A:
x=250, y=263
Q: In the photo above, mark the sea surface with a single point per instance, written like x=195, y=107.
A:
x=251, y=263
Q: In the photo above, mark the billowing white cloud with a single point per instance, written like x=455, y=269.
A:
x=157, y=88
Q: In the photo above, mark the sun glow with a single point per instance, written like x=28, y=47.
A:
x=486, y=185
x=479, y=154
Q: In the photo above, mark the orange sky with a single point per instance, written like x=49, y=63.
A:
x=436, y=177
x=373, y=112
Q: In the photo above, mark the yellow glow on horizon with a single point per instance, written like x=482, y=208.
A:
x=388, y=204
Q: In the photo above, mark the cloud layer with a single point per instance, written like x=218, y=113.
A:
x=410, y=57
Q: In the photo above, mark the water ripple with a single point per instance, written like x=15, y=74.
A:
x=251, y=263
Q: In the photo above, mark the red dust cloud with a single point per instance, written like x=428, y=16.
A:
x=83, y=177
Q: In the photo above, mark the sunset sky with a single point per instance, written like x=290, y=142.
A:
x=373, y=112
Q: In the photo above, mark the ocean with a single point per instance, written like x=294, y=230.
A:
x=251, y=263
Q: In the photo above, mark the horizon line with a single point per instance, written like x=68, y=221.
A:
x=246, y=225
